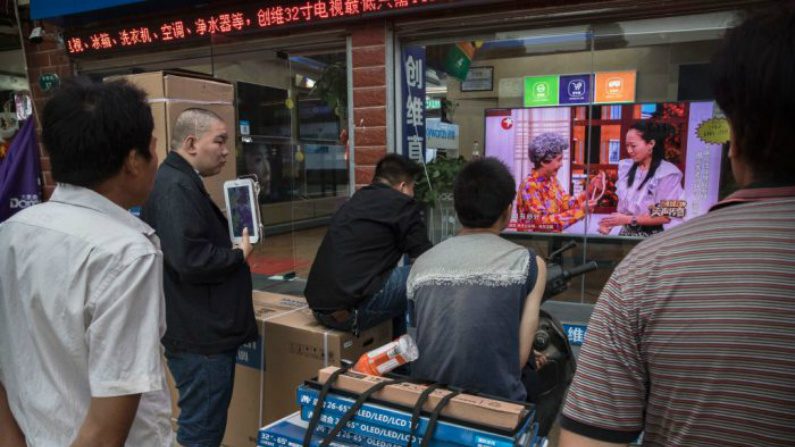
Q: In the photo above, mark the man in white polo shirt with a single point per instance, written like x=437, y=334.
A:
x=81, y=294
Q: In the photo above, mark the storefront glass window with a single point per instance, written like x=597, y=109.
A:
x=602, y=95
x=290, y=107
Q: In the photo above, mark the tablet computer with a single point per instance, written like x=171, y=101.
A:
x=242, y=209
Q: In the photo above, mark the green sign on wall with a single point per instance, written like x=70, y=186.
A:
x=48, y=81
x=540, y=91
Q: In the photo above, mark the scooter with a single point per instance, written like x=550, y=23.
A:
x=551, y=341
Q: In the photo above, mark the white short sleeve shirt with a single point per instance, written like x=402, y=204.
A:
x=81, y=316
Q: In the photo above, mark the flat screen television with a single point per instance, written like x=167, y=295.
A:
x=265, y=110
x=597, y=143
x=272, y=161
x=316, y=120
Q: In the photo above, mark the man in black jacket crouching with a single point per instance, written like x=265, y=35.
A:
x=355, y=283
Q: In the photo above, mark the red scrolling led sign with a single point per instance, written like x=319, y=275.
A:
x=194, y=27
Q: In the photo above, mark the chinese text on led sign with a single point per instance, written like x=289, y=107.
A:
x=248, y=18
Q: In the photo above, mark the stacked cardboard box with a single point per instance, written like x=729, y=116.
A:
x=248, y=401
x=170, y=94
x=291, y=347
x=498, y=414
x=467, y=420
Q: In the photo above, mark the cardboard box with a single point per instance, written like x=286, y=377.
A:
x=295, y=347
x=170, y=94
x=248, y=403
x=466, y=407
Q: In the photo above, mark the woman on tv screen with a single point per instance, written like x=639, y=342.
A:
x=541, y=203
x=644, y=180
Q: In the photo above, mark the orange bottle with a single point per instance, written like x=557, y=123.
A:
x=388, y=357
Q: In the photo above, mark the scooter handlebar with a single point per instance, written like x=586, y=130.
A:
x=580, y=269
x=558, y=278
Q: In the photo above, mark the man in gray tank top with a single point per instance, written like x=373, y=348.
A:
x=474, y=299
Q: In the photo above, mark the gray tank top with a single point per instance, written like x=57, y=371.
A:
x=466, y=297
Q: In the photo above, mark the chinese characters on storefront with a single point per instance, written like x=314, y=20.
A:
x=575, y=333
x=257, y=16
x=413, y=87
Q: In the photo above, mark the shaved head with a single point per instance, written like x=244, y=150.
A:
x=194, y=122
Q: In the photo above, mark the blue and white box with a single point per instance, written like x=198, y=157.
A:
x=289, y=432
x=393, y=425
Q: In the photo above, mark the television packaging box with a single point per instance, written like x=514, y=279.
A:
x=350, y=437
x=249, y=402
x=245, y=409
x=390, y=423
x=297, y=346
x=290, y=349
x=370, y=431
x=290, y=430
x=499, y=414
x=170, y=94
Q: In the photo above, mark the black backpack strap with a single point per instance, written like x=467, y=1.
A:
x=310, y=429
x=354, y=409
x=415, y=415
x=426, y=438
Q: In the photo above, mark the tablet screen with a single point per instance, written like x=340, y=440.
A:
x=239, y=198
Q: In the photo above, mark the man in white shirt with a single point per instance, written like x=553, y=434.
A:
x=81, y=295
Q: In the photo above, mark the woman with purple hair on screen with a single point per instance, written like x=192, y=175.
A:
x=541, y=201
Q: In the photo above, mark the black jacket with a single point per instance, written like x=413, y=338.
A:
x=366, y=238
x=207, y=283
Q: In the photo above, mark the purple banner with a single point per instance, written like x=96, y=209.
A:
x=576, y=89
x=20, y=173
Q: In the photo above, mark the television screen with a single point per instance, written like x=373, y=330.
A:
x=316, y=120
x=265, y=110
x=272, y=161
x=636, y=190
x=326, y=168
